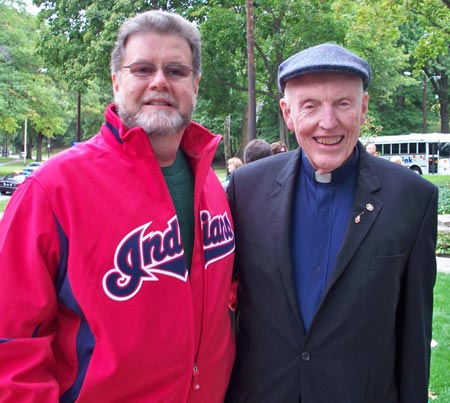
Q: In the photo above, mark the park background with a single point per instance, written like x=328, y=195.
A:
x=55, y=75
x=55, y=80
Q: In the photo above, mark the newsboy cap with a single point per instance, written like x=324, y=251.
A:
x=325, y=58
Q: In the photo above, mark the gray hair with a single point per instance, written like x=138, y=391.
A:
x=159, y=22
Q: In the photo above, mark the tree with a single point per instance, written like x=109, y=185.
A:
x=431, y=54
x=14, y=71
x=77, y=40
x=280, y=29
x=28, y=90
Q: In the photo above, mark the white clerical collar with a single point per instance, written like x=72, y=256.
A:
x=322, y=178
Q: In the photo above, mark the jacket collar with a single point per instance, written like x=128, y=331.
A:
x=197, y=142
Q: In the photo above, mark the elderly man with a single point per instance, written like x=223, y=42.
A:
x=335, y=253
x=116, y=256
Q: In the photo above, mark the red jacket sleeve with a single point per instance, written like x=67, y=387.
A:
x=28, y=256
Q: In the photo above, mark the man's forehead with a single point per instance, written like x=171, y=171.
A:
x=348, y=80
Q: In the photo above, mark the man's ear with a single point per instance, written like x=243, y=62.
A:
x=364, y=108
x=115, y=82
x=286, y=114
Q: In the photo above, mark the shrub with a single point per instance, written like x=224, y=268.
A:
x=443, y=244
x=444, y=199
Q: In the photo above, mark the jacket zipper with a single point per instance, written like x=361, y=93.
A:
x=196, y=373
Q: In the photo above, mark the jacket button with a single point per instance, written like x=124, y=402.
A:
x=306, y=356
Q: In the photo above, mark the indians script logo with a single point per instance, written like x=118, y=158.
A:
x=145, y=253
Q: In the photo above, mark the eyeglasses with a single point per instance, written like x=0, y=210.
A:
x=173, y=71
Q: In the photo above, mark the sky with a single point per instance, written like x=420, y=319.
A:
x=31, y=8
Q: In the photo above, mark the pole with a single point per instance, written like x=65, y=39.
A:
x=251, y=72
x=79, y=116
x=25, y=142
x=226, y=138
x=424, y=105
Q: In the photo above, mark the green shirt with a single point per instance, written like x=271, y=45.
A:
x=180, y=181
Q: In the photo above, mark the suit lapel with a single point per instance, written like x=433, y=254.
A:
x=281, y=206
x=365, y=210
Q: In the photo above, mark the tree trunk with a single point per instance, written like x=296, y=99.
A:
x=251, y=115
x=5, y=152
x=29, y=149
x=39, y=141
x=244, y=139
x=443, y=98
x=226, y=138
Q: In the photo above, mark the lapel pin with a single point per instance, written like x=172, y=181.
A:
x=358, y=217
x=369, y=207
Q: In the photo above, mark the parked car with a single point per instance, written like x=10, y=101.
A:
x=10, y=182
x=32, y=166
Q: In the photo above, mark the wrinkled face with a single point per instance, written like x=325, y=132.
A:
x=158, y=103
x=326, y=111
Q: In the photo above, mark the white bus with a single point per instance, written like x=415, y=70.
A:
x=427, y=153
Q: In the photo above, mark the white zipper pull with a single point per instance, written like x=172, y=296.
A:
x=196, y=373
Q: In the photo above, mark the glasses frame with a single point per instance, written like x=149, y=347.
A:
x=166, y=70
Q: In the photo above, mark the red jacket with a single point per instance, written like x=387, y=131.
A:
x=96, y=302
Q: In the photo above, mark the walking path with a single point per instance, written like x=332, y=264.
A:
x=443, y=264
x=8, y=162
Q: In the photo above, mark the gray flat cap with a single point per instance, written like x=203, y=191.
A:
x=325, y=58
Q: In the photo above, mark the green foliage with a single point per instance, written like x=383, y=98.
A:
x=372, y=31
x=75, y=41
x=3, y=204
x=443, y=244
x=444, y=199
x=16, y=47
x=434, y=16
x=443, y=184
x=371, y=127
x=28, y=90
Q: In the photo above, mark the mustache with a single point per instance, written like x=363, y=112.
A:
x=159, y=97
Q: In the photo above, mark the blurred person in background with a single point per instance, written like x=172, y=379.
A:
x=256, y=149
x=278, y=147
x=371, y=148
x=232, y=164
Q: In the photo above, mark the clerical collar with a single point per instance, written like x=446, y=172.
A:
x=322, y=178
x=332, y=177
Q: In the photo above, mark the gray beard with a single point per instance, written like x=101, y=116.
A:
x=161, y=123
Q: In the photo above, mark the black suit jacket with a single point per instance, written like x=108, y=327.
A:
x=369, y=341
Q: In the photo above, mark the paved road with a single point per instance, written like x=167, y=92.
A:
x=13, y=161
x=443, y=264
x=9, y=162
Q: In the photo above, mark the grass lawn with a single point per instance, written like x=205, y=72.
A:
x=440, y=355
x=221, y=173
x=438, y=180
x=13, y=165
x=3, y=204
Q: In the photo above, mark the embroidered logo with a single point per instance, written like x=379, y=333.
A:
x=143, y=254
x=218, y=236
